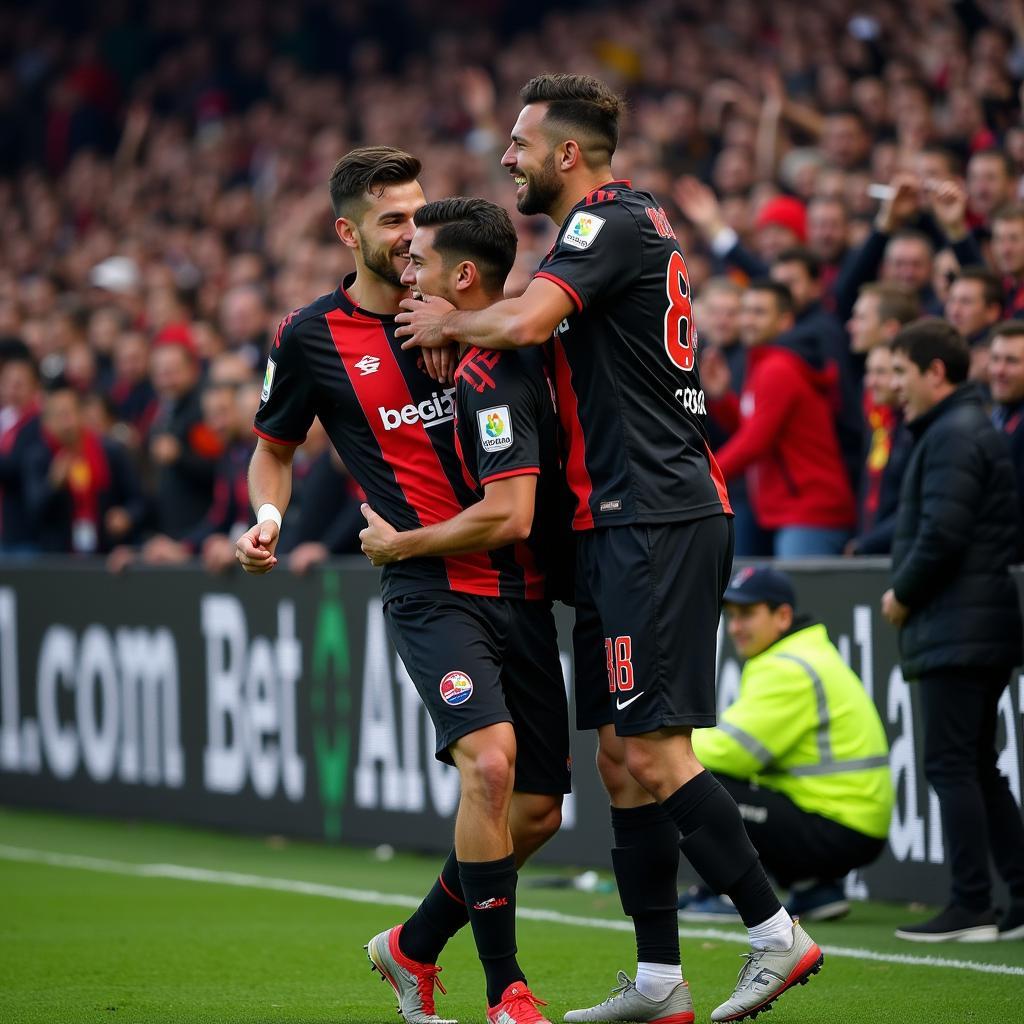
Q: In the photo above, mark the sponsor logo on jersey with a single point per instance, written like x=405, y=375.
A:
x=438, y=408
x=495, y=428
x=610, y=506
x=693, y=400
x=368, y=365
x=582, y=230
x=268, y=380
x=456, y=688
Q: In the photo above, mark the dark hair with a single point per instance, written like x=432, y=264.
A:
x=472, y=229
x=19, y=354
x=954, y=165
x=992, y=287
x=801, y=254
x=997, y=154
x=579, y=105
x=930, y=338
x=914, y=235
x=783, y=296
x=895, y=301
x=1009, y=211
x=849, y=111
x=368, y=171
x=1006, y=329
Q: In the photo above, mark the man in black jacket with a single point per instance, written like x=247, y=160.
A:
x=1006, y=382
x=959, y=618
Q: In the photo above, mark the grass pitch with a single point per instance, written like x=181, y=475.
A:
x=112, y=922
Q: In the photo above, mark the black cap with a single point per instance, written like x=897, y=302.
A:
x=760, y=585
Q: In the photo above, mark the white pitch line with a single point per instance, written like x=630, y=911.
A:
x=182, y=872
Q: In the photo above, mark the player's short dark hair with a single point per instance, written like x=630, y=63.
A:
x=472, y=229
x=365, y=171
x=895, y=301
x=579, y=105
x=801, y=254
x=783, y=296
x=991, y=286
x=930, y=338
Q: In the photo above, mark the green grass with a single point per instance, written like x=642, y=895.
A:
x=86, y=946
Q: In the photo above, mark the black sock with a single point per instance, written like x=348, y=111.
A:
x=490, y=891
x=441, y=914
x=646, y=862
x=717, y=845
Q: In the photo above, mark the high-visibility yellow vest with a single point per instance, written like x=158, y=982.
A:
x=804, y=726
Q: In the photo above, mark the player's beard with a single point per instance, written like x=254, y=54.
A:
x=542, y=190
x=378, y=261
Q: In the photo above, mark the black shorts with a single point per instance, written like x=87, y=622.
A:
x=476, y=661
x=648, y=602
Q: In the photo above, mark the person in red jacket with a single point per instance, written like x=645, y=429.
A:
x=783, y=432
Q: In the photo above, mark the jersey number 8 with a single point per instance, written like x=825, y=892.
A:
x=680, y=333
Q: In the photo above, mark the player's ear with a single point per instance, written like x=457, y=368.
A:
x=569, y=155
x=348, y=232
x=465, y=275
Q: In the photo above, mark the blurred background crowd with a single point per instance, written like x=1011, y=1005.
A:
x=833, y=173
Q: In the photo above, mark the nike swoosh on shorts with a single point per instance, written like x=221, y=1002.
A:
x=620, y=704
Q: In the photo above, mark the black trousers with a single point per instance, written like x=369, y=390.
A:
x=979, y=814
x=794, y=845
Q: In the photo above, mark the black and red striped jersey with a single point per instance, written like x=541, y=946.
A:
x=505, y=426
x=629, y=394
x=393, y=427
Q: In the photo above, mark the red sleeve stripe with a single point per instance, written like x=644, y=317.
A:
x=576, y=472
x=522, y=471
x=567, y=288
x=275, y=440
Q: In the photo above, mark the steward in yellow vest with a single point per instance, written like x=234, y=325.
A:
x=802, y=750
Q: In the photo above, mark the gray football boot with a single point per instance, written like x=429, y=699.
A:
x=626, y=1003
x=767, y=974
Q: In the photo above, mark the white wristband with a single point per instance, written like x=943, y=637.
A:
x=266, y=512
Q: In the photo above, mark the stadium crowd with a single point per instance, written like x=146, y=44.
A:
x=163, y=167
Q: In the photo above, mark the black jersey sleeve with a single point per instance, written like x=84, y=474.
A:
x=598, y=253
x=502, y=420
x=287, y=403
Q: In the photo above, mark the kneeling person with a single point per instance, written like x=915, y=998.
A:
x=506, y=436
x=802, y=751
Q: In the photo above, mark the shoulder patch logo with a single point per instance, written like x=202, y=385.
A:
x=582, y=230
x=268, y=380
x=495, y=427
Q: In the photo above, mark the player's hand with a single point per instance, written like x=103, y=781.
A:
x=420, y=323
x=894, y=610
x=439, y=363
x=255, y=548
x=379, y=539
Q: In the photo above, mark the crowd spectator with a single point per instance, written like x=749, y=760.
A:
x=1006, y=382
x=782, y=432
x=20, y=432
x=81, y=491
x=958, y=613
x=162, y=173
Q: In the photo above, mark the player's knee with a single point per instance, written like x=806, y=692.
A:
x=487, y=779
x=546, y=820
x=611, y=766
x=642, y=765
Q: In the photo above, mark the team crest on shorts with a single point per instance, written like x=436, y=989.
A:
x=456, y=688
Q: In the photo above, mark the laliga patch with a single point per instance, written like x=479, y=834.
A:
x=582, y=230
x=456, y=688
x=268, y=380
x=495, y=427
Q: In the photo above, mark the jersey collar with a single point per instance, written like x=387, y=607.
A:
x=348, y=305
